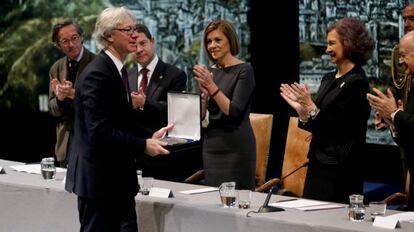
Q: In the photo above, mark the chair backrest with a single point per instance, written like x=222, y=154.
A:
x=296, y=151
x=262, y=129
x=401, y=198
x=407, y=183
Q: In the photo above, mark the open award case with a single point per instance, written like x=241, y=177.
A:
x=184, y=111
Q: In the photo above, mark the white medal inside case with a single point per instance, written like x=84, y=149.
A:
x=184, y=111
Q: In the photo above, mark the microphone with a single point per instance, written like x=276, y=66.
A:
x=265, y=208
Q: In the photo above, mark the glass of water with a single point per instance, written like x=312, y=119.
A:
x=147, y=183
x=377, y=208
x=48, y=169
x=356, y=208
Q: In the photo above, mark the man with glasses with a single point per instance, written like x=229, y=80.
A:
x=67, y=37
x=149, y=82
x=101, y=168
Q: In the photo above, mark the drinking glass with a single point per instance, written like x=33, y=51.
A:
x=48, y=169
x=227, y=192
x=147, y=183
x=244, y=198
x=356, y=208
x=377, y=208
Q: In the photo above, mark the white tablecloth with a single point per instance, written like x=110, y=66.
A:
x=29, y=203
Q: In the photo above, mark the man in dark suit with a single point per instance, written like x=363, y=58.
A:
x=151, y=100
x=149, y=95
x=400, y=118
x=101, y=169
x=67, y=37
x=400, y=81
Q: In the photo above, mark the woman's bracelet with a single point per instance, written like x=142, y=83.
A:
x=215, y=92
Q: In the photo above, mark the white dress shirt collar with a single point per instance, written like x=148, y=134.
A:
x=119, y=65
x=150, y=67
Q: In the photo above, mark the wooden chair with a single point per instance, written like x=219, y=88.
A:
x=296, y=151
x=262, y=129
x=400, y=198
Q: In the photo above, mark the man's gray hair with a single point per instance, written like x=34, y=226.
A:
x=109, y=19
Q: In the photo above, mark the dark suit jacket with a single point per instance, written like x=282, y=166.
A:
x=102, y=155
x=64, y=111
x=165, y=78
x=404, y=126
x=338, y=137
x=339, y=130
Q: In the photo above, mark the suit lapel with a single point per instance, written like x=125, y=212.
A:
x=63, y=73
x=116, y=75
x=331, y=89
x=324, y=88
x=86, y=58
x=156, y=78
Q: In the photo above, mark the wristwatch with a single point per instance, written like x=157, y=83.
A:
x=313, y=112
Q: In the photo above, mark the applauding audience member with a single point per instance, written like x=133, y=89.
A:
x=229, y=148
x=338, y=116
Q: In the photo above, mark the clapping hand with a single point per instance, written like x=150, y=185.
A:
x=138, y=98
x=204, y=78
x=383, y=104
x=298, y=97
x=62, y=90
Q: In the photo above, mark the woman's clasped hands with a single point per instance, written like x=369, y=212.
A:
x=204, y=78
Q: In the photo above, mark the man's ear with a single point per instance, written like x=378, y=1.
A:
x=109, y=38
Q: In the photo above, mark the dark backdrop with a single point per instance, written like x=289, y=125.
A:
x=275, y=58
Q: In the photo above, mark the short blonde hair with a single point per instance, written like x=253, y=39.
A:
x=109, y=19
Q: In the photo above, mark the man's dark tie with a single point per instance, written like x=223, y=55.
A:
x=72, y=71
x=144, y=80
x=125, y=79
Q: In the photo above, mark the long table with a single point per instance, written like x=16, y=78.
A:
x=29, y=203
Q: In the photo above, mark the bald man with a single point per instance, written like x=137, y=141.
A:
x=398, y=115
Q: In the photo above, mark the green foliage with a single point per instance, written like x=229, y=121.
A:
x=26, y=50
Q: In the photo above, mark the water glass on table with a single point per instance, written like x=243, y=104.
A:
x=377, y=208
x=227, y=192
x=244, y=198
x=147, y=183
x=356, y=208
x=48, y=169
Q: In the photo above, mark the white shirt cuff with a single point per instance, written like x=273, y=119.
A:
x=393, y=114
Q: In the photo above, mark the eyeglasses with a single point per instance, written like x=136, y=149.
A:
x=129, y=30
x=65, y=42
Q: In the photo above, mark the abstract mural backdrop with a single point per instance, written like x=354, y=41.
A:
x=27, y=52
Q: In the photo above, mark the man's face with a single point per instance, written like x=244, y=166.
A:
x=69, y=41
x=408, y=17
x=123, y=38
x=407, y=55
x=145, y=50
